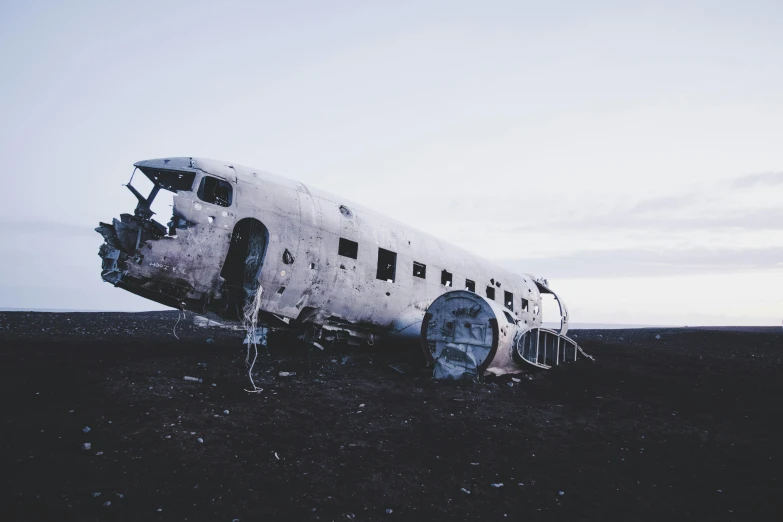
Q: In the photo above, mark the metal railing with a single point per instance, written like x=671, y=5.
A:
x=544, y=348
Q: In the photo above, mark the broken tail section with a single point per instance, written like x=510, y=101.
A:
x=467, y=335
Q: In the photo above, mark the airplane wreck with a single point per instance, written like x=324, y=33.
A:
x=333, y=271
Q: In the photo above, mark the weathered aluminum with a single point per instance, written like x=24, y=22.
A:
x=306, y=284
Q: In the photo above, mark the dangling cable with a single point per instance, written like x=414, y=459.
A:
x=181, y=315
x=249, y=321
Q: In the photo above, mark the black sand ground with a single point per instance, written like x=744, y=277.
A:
x=687, y=426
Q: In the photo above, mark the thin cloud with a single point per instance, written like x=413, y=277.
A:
x=763, y=178
x=647, y=263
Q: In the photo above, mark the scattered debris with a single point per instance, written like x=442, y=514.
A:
x=225, y=412
x=86, y=429
x=287, y=374
x=96, y=494
x=466, y=491
x=86, y=446
x=497, y=485
x=389, y=511
x=561, y=493
x=516, y=380
x=107, y=503
x=200, y=440
x=400, y=368
x=657, y=336
x=192, y=379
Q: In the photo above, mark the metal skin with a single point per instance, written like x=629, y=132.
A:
x=305, y=283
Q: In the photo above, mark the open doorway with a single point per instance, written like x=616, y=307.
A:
x=244, y=260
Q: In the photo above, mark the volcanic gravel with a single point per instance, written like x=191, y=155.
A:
x=665, y=424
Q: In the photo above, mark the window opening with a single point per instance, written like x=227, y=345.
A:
x=419, y=270
x=387, y=265
x=524, y=305
x=508, y=297
x=348, y=248
x=150, y=198
x=217, y=191
x=491, y=292
x=445, y=278
x=470, y=285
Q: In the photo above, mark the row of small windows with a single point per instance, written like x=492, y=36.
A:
x=387, y=271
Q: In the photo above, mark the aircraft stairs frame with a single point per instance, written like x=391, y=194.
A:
x=545, y=348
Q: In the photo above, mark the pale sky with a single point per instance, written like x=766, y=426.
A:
x=630, y=152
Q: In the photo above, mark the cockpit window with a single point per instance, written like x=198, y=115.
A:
x=172, y=180
x=217, y=191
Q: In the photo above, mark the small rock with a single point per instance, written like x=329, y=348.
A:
x=160, y=509
x=86, y=429
x=287, y=374
x=96, y=494
x=510, y=384
x=210, y=340
x=86, y=446
x=107, y=503
x=120, y=495
x=497, y=485
x=561, y=493
x=225, y=412
x=657, y=336
x=200, y=440
x=361, y=405
x=516, y=380
x=213, y=384
x=466, y=491
x=99, y=453
x=389, y=511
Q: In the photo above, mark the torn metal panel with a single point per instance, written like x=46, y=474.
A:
x=543, y=287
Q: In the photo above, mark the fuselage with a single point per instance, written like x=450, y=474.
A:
x=317, y=258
